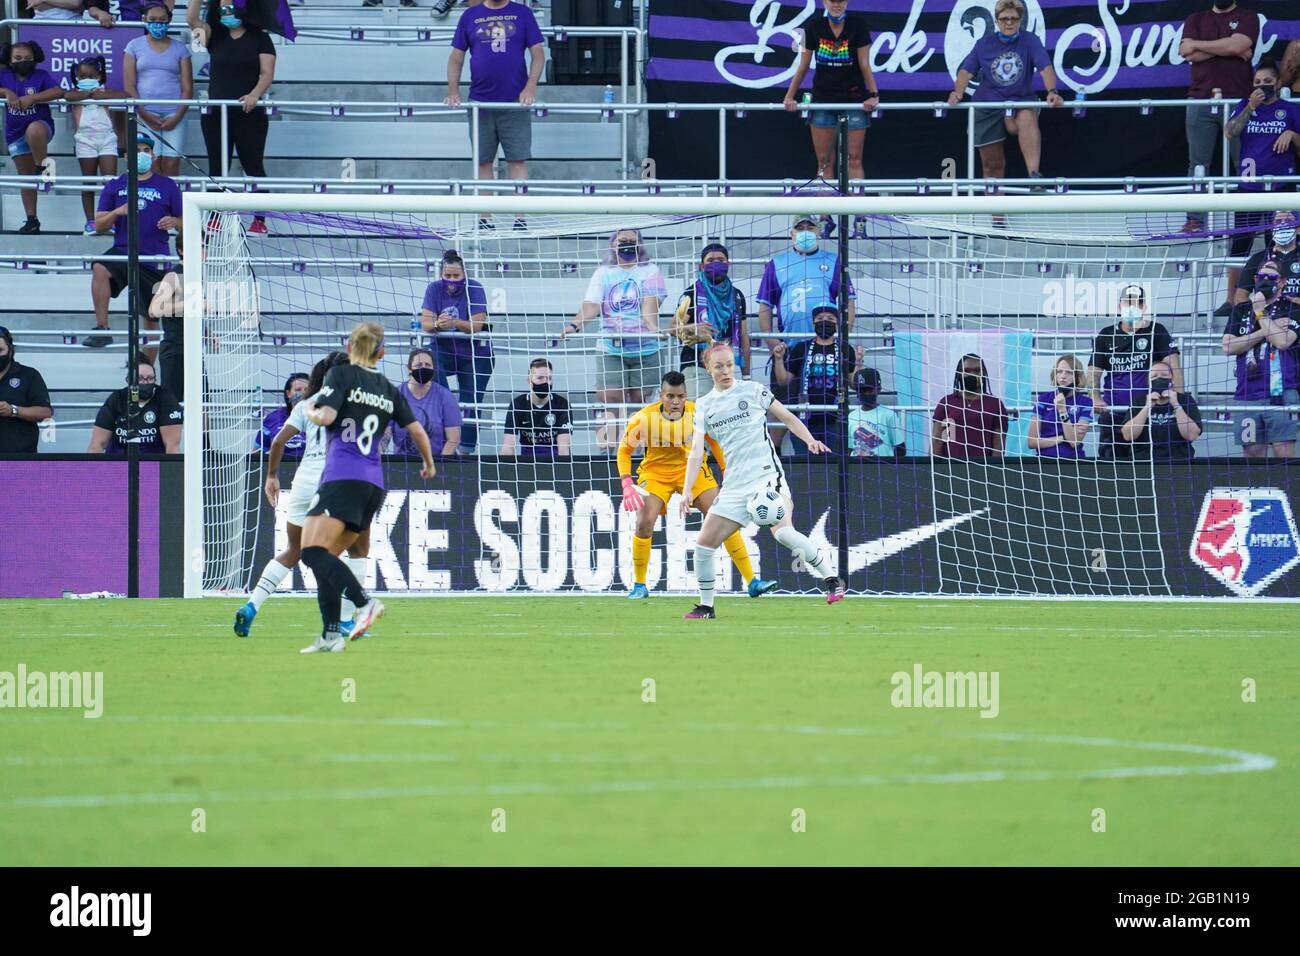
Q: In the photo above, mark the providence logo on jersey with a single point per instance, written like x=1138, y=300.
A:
x=1246, y=538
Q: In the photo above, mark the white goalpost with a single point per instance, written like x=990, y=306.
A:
x=1015, y=284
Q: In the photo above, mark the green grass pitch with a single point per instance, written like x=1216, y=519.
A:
x=516, y=731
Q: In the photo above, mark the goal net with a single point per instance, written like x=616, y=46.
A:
x=985, y=393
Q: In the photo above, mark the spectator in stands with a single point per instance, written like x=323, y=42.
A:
x=538, y=423
x=432, y=404
x=454, y=308
x=1282, y=248
x=1268, y=128
x=1220, y=45
x=840, y=42
x=811, y=370
x=157, y=420
x=1004, y=61
x=241, y=66
x=1261, y=333
x=1063, y=415
x=96, y=138
x=496, y=33
x=29, y=125
x=875, y=430
x=1291, y=67
x=24, y=401
x=160, y=66
x=794, y=283
x=1163, y=425
x=711, y=309
x=55, y=9
x=970, y=422
x=625, y=292
x=129, y=11
x=159, y=212
x=295, y=390
x=1122, y=356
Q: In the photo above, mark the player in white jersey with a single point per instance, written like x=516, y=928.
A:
x=305, y=482
x=734, y=415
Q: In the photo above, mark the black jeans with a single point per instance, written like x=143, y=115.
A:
x=171, y=356
x=245, y=135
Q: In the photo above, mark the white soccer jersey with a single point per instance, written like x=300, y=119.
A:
x=737, y=420
x=313, y=456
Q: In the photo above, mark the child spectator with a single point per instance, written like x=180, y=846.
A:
x=1063, y=415
x=29, y=126
x=158, y=65
x=875, y=430
x=95, y=139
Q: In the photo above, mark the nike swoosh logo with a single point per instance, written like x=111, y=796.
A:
x=870, y=552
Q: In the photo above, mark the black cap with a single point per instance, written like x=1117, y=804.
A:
x=867, y=378
x=824, y=308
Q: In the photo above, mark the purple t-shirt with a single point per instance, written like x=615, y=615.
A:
x=1263, y=128
x=471, y=301
x=496, y=41
x=157, y=197
x=1255, y=367
x=1078, y=406
x=1005, y=71
x=437, y=412
x=17, y=121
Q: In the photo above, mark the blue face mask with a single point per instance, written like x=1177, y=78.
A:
x=1008, y=39
x=231, y=22
x=840, y=19
x=143, y=162
x=87, y=84
x=805, y=241
x=157, y=30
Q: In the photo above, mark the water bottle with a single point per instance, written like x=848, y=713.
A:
x=416, y=330
x=1080, y=110
x=887, y=327
x=608, y=100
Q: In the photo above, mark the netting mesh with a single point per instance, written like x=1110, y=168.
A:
x=1015, y=293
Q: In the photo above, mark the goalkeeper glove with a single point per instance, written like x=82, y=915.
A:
x=632, y=498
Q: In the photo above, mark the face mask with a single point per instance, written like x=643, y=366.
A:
x=627, y=251
x=840, y=19
x=1161, y=384
x=867, y=397
x=143, y=163
x=454, y=288
x=294, y=399
x=1267, y=89
x=87, y=84
x=231, y=22
x=147, y=390
x=23, y=67
x=1132, y=314
x=5, y=359
x=1266, y=287
x=541, y=388
x=1283, y=235
x=824, y=330
x=157, y=30
x=805, y=240
x=422, y=375
x=971, y=383
x=1008, y=39
x=717, y=271
x=1066, y=390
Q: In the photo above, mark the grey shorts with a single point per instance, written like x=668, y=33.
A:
x=991, y=126
x=1267, y=427
x=633, y=371
x=511, y=130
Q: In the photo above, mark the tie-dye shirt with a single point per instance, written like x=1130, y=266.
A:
x=837, y=78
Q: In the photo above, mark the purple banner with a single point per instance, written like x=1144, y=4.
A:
x=66, y=526
x=68, y=42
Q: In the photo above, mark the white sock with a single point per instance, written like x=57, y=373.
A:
x=704, y=573
x=272, y=575
x=358, y=566
x=800, y=545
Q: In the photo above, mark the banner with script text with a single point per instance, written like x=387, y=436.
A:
x=731, y=51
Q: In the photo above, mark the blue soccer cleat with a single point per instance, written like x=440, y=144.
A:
x=638, y=591
x=345, y=628
x=758, y=587
x=244, y=619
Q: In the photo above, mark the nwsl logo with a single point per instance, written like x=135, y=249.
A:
x=1246, y=538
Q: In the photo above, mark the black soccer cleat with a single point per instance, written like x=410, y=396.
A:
x=700, y=613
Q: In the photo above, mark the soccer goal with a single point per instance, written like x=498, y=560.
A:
x=985, y=392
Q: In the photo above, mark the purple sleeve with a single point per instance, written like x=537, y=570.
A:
x=1039, y=56
x=106, y=197
x=430, y=297
x=835, y=283
x=972, y=62
x=532, y=32
x=451, y=417
x=477, y=298
x=769, y=292
x=460, y=40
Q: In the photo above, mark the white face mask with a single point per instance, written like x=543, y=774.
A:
x=1283, y=235
x=1132, y=314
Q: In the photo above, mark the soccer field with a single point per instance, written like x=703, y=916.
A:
x=518, y=731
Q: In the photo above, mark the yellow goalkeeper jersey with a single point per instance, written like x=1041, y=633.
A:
x=667, y=443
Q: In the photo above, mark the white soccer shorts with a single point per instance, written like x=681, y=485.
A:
x=733, y=502
x=300, y=496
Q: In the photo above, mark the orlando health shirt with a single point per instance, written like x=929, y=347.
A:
x=17, y=121
x=793, y=284
x=156, y=196
x=1005, y=71
x=496, y=41
x=1263, y=128
x=1127, y=357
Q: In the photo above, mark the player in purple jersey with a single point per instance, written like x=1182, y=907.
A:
x=355, y=405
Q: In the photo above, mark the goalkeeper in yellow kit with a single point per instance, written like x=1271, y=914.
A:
x=666, y=430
